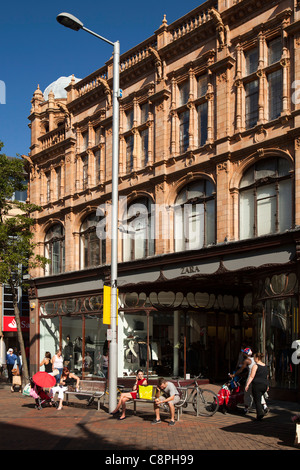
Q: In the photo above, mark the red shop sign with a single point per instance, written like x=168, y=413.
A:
x=9, y=323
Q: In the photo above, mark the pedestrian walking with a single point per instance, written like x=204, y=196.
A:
x=58, y=363
x=260, y=384
x=11, y=358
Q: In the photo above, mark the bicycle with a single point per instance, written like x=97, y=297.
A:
x=205, y=402
x=119, y=391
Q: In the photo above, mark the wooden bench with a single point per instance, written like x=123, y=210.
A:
x=178, y=406
x=92, y=389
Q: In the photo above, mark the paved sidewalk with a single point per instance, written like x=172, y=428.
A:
x=78, y=427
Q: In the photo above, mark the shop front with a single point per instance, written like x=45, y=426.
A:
x=8, y=321
x=180, y=315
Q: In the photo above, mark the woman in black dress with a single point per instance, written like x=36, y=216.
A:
x=260, y=383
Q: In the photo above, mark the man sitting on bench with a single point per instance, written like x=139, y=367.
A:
x=170, y=396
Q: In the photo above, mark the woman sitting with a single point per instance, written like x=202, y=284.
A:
x=67, y=379
x=140, y=380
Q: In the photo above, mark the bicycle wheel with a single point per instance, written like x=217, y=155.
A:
x=208, y=403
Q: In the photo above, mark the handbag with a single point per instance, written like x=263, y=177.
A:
x=15, y=369
x=17, y=380
x=147, y=392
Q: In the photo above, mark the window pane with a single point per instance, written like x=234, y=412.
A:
x=246, y=214
x=129, y=154
x=97, y=135
x=284, y=167
x=48, y=186
x=179, y=229
x=201, y=86
x=90, y=221
x=202, y=124
x=129, y=119
x=195, y=190
x=194, y=219
x=184, y=131
x=251, y=60
x=58, y=181
x=85, y=172
x=251, y=95
x=137, y=230
x=94, y=249
x=183, y=93
x=266, y=210
x=126, y=246
x=139, y=244
x=210, y=222
x=20, y=196
x=275, y=94
x=144, y=147
x=248, y=178
x=144, y=112
x=194, y=214
x=56, y=257
x=265, y=168
x=84, y=141
x=285, y=205
x=274, y=51
x=97, y=165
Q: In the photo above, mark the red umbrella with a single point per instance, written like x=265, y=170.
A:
x=44, y=380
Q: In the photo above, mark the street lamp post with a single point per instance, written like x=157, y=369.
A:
x=70, y=21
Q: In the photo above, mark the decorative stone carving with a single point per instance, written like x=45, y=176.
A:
x=216, y=17
x=67, y=115
x=260, y=135
x=107, y=90
x=158, y=62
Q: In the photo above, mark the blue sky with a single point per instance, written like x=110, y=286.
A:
x=36, y=49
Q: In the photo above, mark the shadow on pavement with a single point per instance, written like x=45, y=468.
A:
x=277, y=425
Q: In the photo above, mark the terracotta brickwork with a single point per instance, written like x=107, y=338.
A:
x=195, y=65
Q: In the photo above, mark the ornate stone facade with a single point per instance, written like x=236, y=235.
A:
x=205, y=99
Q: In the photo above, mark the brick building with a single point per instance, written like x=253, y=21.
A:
x=209, y=208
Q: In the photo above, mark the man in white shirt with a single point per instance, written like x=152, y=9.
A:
x=170, y=396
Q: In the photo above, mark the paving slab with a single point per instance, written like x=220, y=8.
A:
x=79, y=427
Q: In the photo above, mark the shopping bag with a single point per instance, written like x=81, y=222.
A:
x=147, y=392
x=16, y=380
x=15, y=369
x=26, y=390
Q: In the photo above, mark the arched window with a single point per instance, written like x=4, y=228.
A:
x=266, y=198
x=92, y=248
x=138, y=230
x=55, y=249
x=194, y=216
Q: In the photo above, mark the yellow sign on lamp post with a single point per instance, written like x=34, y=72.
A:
x=106, y=305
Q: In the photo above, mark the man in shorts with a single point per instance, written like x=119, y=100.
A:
x=170, y=395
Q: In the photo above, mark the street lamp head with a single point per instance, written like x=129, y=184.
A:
x=70, y=21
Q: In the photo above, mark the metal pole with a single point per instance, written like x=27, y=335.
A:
x=113, y=348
